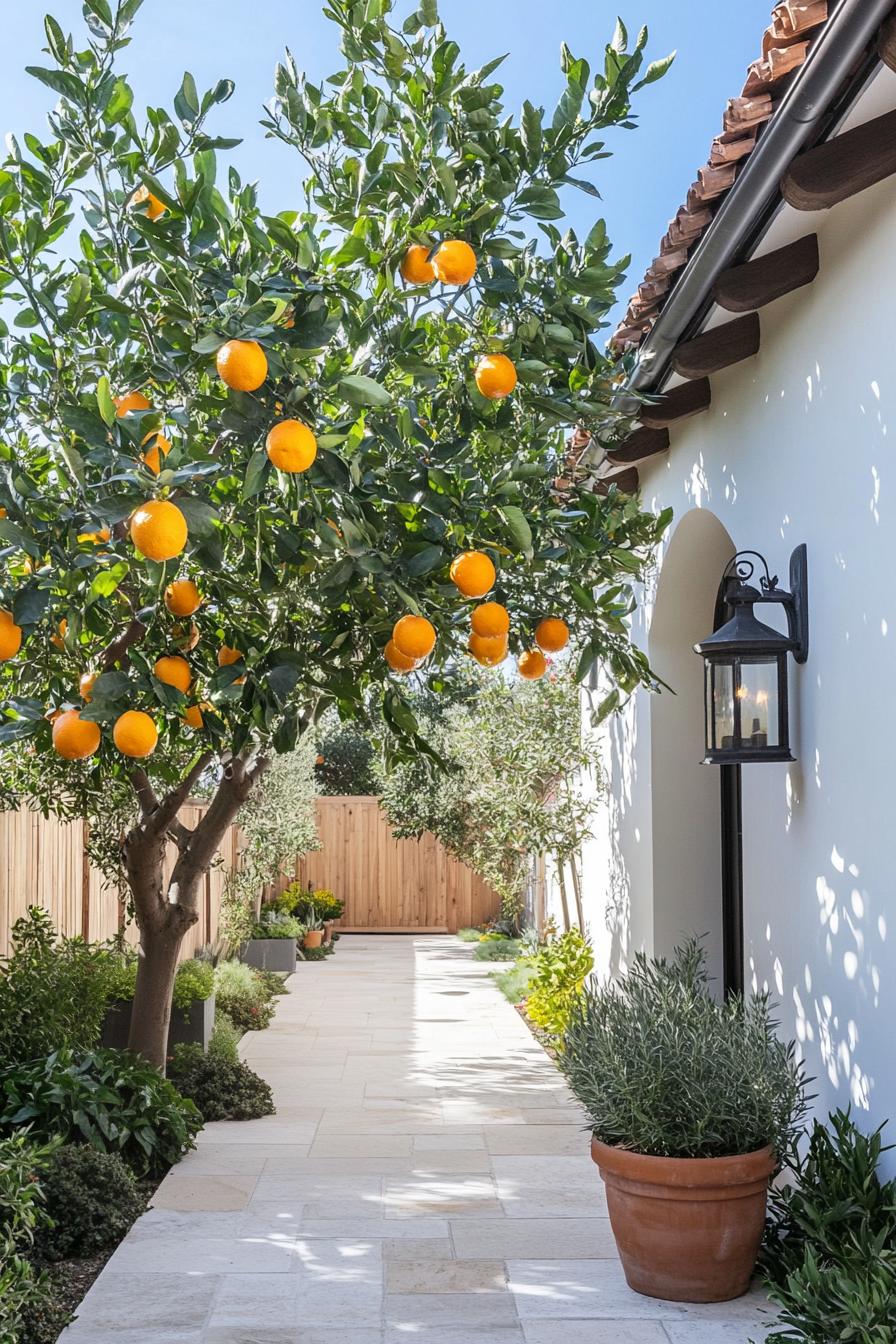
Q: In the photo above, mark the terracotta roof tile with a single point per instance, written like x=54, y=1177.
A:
x=785, y=46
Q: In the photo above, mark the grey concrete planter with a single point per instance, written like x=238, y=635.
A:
x=192, y=1026
x=270, y=954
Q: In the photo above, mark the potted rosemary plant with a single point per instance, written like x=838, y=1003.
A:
x=693, y=1106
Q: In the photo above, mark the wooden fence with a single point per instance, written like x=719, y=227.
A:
x=386, y=884
x=43, y=861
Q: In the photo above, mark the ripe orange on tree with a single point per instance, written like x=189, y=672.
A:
x=86, y=685
x=242, y=365
x=160, y=448
x=182, y=597
x=10, y=636
x=416, y=266
x=135, y=734
x=174, y=671
x=490, y=619
x=532, y=665
x=552, y=634
x=495, y=376
x=193, y=715
x=489, y=650
x=131, y=401
x=75, y=738
x=291, y=446
x=414, y=636
x=58, y=640
x=398, y=661
x=154, y=207
x=455, y=262
x=159, y=529
x=473, y=573
x=227, y=657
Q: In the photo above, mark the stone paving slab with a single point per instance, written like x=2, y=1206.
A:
x=426, y=1177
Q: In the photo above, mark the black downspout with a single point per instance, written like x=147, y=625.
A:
x=732, y=880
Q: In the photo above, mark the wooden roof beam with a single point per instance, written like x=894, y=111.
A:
x=741, y=289
x=842, y=167
x=642, y=442
x=677, y=404
x=627, y=481
x=718, y=348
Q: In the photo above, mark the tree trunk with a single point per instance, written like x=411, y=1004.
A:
x=577, y=892
x=561, y=882
x=166, y=911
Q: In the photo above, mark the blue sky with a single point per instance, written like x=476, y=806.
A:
x=641, y=186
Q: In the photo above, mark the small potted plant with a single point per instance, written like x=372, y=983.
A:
x=693, y=1105
x=314, y=928
x=328, y=908
x=192, y=1006
x=272, y=946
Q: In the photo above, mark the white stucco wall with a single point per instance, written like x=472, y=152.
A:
x=796, y=448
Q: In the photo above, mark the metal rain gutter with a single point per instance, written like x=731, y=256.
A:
x=834, y=56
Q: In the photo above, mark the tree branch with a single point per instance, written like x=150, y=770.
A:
x=145, y=793
x=167, y=810
x=117, y=650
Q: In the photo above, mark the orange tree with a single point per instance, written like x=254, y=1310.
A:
x=237, y=449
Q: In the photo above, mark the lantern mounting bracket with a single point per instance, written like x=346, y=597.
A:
x=737, y=589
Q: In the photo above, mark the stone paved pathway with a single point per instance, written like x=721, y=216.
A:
x=425, y=1177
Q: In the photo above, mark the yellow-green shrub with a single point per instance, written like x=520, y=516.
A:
x=561, y=969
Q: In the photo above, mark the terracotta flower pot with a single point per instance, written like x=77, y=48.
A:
x=687, y=1229
x=313, y=938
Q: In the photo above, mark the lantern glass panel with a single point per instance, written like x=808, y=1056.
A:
x=758, y=696
x=720, y=709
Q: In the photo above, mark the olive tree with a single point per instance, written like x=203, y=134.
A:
x=237, y=447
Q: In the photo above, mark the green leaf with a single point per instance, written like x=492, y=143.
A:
x=655, y=71
x=105, y=404
x=257, y=474
x=518, y=527
x=569, y=106
x=429, y=558
x=447, y=182
x=201, y=517
x=68, y=85
x=531, y=133
x=30, y=605
x=429, y=12
x=359, y=390
x=106, y=582
x=186, y=100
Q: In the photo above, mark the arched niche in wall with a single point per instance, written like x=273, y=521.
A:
x=685, y=793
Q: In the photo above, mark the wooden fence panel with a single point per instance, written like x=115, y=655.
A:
x=387, y=884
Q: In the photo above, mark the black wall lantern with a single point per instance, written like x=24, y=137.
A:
x=745, y=663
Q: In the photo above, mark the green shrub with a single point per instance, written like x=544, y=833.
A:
x=830, y=1256
x=194, y=981
x=514, y=984
x=107, y=1098
x=561, y=968
x=243, y=995
x=273, y=981
x=314, y=953
x=469, y=935
x=663, y=1068
x=91, y=1198
x=308, y=902
x=274, y=925
x=21, y=1216
x=225, y=1037
x=221, y=1088
x=327, y=904
x=52, y=991
x=497, y=949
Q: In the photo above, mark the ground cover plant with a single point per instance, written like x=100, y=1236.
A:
x=108, y=1098
x=830, y=1255
x=243, y=995
x=252, y=466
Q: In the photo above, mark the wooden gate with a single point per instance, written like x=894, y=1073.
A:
x=387, y=884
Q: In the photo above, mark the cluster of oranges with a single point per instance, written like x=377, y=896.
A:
x=159, y=531
x=473, y=574
x=454, y=263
